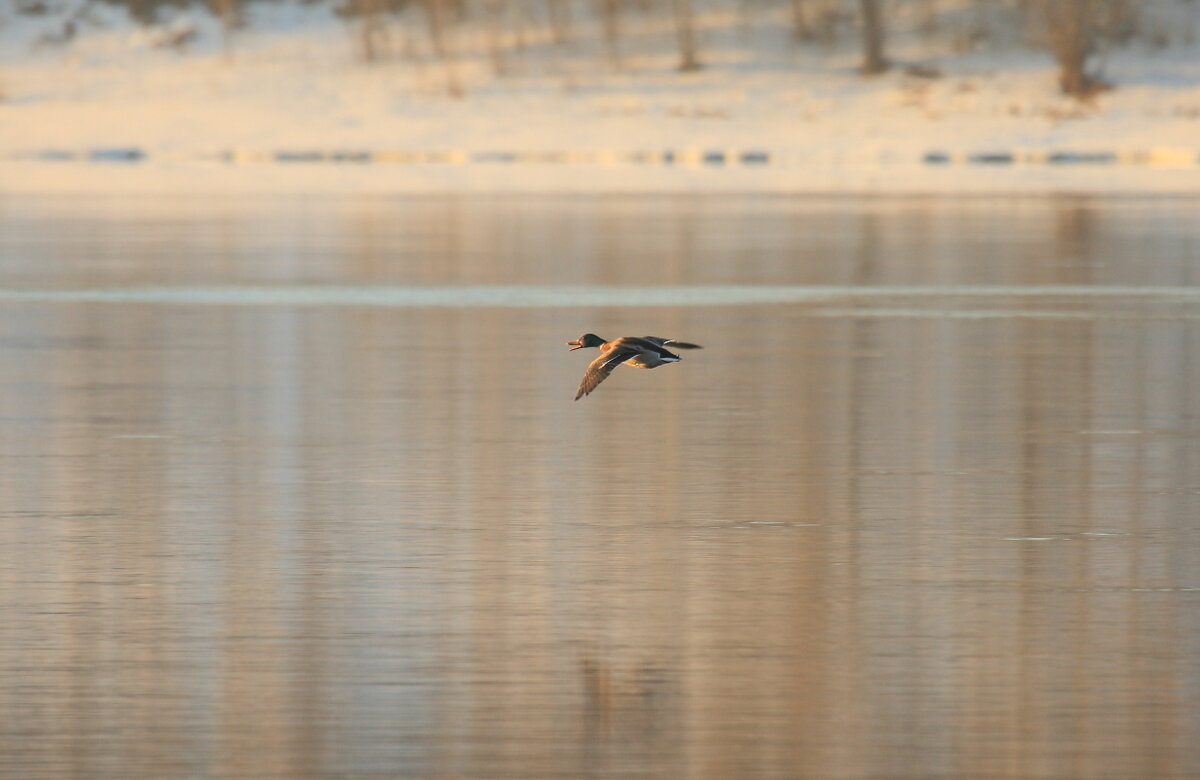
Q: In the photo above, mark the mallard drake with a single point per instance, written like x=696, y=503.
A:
x=636, y=351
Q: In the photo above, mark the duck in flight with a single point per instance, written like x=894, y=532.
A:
x=636, y=351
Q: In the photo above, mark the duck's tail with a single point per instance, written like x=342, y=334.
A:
x=683, y=344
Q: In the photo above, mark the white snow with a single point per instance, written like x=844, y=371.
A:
x=217, y=116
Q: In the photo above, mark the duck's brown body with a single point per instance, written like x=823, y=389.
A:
x=636, y=351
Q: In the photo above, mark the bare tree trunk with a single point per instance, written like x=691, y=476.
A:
x=371, y=28
x=610, y=10
x=685, y=29
x=495, y=27
x=872, y=20
x=1072, y=37
x=436, y=12
x=816, y=20
x=929, y=22
x=230, y=15
x=801, y=29
x=559, y=12
x=520, y=23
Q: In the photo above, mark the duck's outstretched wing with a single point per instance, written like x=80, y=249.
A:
x=601, y=367
x=661, y=342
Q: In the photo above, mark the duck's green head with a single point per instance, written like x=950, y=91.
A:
x=586, y=340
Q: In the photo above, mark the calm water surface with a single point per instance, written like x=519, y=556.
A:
x=897, y=534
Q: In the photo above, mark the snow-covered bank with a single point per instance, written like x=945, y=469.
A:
x=293, y=89
x=35, y=177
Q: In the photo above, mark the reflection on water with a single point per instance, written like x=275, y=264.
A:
x=330, y=540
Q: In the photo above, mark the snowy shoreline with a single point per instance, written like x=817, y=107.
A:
x=292, y=107
x=213, y=178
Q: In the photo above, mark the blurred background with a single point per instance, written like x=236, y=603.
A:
x=807, y=94
x=292, y=484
